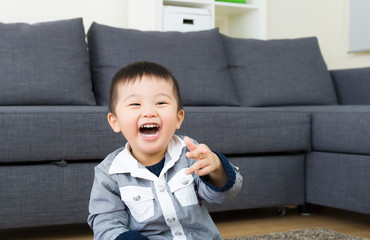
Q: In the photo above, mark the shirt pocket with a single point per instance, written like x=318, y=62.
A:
x=182, y=186
x=139, y=200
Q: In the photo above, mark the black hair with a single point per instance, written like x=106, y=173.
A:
x=135, y=71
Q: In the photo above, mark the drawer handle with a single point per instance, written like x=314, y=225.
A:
x=188, y=21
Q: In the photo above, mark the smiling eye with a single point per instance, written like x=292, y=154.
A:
x=134, y=104
x=161, y=103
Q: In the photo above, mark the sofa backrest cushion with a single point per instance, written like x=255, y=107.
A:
x=352, y=85
x=279, y=72
x=196, y=59
x=45, y=64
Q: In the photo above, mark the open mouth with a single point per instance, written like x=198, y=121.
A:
x=149, y=130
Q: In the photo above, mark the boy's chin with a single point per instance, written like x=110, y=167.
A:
x=152, y=147
x=153, y=144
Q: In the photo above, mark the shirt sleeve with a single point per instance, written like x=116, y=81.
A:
x=108, y=214
x=230, y=171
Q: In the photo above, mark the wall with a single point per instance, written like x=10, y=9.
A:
x=326, y=19
x=108, y=12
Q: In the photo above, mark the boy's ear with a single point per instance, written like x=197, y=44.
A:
x=180, y=118
x=113, y=122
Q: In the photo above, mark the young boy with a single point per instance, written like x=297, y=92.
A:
x=153, y=187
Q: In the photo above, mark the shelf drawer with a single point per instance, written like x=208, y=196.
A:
x=185, y=19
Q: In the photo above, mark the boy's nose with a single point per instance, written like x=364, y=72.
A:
x=149, y=112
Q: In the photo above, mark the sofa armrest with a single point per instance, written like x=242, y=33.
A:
x=352, y=85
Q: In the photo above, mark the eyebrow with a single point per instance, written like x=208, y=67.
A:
x=163, y=94
x=130, y=96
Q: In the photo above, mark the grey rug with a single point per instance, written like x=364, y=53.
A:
x=309, y=234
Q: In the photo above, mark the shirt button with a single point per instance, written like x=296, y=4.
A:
x=178, y=233
x=136, y=198
x=185, y=181
x=161, y=188
x=171, y=219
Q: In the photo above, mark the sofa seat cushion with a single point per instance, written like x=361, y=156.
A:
x=82, y=132
x=243, y=130
x=341, y=129
x=196, y=59
x=345, y=131
x=45, y=64
x=55, y=133
x=279, y=72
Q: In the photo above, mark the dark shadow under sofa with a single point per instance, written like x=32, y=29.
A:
x=298, y=132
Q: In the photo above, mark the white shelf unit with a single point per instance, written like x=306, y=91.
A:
x=233, y=19
x=242, y=20
x=190, y=3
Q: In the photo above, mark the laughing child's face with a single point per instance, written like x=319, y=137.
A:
x=147, y=114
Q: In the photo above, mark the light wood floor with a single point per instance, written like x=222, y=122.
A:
x=230, y=224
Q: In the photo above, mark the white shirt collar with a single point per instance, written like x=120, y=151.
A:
x=124, y=162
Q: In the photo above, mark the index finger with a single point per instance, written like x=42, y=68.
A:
x=190, y=144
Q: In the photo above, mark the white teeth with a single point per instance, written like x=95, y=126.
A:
x=149, y=126
x=150, y=135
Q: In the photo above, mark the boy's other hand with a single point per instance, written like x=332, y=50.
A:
x=206, y=161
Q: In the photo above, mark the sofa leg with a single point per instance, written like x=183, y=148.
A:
x=281, y=211
x=305, y=209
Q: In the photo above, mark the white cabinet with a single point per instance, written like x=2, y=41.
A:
x=233, y=19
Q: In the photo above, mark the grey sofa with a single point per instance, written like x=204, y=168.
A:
x=298, y=132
